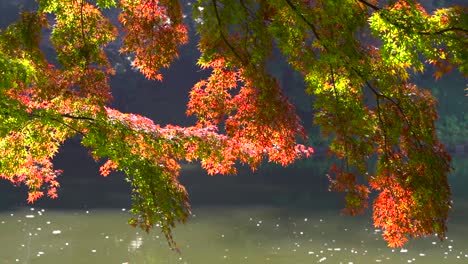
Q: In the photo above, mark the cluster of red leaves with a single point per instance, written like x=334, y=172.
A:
x=151, y=34
x=174, y=142
x=404, y=211
x=412, y=168
x=393, y=211
x=413, y=201
x=32, y=140
x=407, y=6
x=35, y=171
x=414, y=197
x=248, y=142
x=107, y=167
x=357, y=194
x=259, y=121
x=441, y=66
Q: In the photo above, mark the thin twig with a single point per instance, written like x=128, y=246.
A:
x=78, y=117
x=443, y=31
x=405, y=117
x=63, y=123
x=312, y=27
x=70, y=127
x=338, y=111
x=218, y=19
x=376, y=8
x=83, y=35
x=379, y=115
x=247, y=9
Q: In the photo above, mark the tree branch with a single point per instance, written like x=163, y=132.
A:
x=426, y=33
x=403, y=114
x=70, y=127
x=294, y=8
x=337, y=99
x=63, y=123
x=78, y=117
x=83, y=35
x=251, y=13
x=379, y=115
x=376, y=8
x=218, y=19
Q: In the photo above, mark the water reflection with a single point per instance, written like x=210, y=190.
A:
x=215, y=235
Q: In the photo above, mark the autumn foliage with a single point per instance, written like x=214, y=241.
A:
x=43, y=104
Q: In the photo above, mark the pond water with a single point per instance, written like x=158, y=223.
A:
x=215, y=235
x=278, y=231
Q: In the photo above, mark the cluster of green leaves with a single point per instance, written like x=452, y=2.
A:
x=408, y=32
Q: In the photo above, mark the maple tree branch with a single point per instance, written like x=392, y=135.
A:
x=334, y=87
x=70, y=127
x=246, y=24
x=377, y=93
x=218, y=19
x=82, y=20
x=402, y=26
x=247, y=9
x=78, y=117
x=379, y=115
x=73, y=117
x=83, y=35
x=427, y=33
x=338, y=110
x=33, y=115
x=400, y=109
x=294, y=8
x=376, y=8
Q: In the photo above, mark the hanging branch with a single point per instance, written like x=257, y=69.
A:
x=218, y=19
